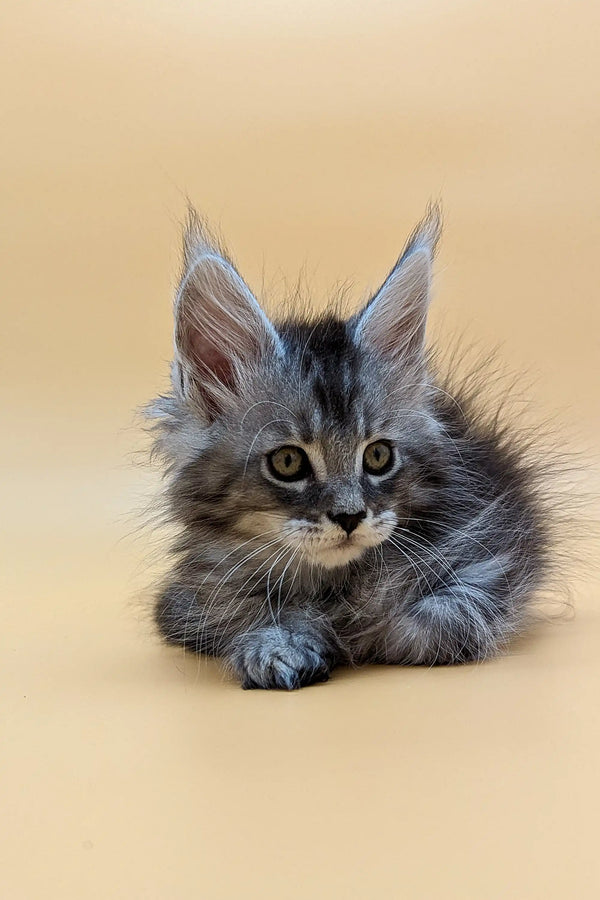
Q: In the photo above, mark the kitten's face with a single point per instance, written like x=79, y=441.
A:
x=337, y=504
x=321, y=458
x=310, y=437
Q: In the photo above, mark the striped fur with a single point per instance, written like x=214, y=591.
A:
x=454, y=539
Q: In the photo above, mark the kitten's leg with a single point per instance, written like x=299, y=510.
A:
x=178, y=617
x=297, y=653
x=469, y=620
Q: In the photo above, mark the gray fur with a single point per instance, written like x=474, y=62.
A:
x=454, y=540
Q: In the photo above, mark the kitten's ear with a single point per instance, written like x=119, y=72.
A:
x=393, y=321
x=221, y=333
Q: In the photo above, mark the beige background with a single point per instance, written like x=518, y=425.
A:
x=312, y=133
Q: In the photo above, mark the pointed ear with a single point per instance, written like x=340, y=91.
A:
x=393, y=321
x=221, y=333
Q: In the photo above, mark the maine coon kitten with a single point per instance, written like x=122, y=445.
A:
x=336, y=505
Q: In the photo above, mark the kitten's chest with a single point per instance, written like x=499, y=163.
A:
x=356, y=597
x=362, y=602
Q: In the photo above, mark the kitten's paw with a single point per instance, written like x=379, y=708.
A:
x=275, y=657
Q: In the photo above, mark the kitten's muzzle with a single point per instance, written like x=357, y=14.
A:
x=348, y=521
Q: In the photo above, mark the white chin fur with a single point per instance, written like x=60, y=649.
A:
x=338, y=556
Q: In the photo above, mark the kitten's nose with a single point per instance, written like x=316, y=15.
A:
x=348, y=521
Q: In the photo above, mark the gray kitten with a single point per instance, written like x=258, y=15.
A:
x=336, y=504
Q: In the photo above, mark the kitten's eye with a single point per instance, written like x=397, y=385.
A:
x=378, y=458
x=289, y=464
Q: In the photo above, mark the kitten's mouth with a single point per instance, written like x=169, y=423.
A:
x=346, y=540
x=340, y=552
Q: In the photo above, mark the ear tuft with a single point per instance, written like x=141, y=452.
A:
x=198, y=240
x=427, y=233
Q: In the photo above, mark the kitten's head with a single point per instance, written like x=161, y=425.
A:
x=313, y=437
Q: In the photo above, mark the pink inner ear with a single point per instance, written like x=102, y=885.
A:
x=210, y=358
x=220, y=331
x=219, y=365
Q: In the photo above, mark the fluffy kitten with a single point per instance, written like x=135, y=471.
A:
x=336, y=504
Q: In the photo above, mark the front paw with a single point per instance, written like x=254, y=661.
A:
x=275, y=657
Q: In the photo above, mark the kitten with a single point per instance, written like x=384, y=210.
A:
x=336, y=503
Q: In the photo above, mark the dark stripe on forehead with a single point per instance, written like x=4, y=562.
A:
x=329, y=363
x=320, y=339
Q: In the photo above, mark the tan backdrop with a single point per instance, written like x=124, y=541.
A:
x=312, y=133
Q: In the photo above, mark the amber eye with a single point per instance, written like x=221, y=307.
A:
x=289, y=464
x=378, y=458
